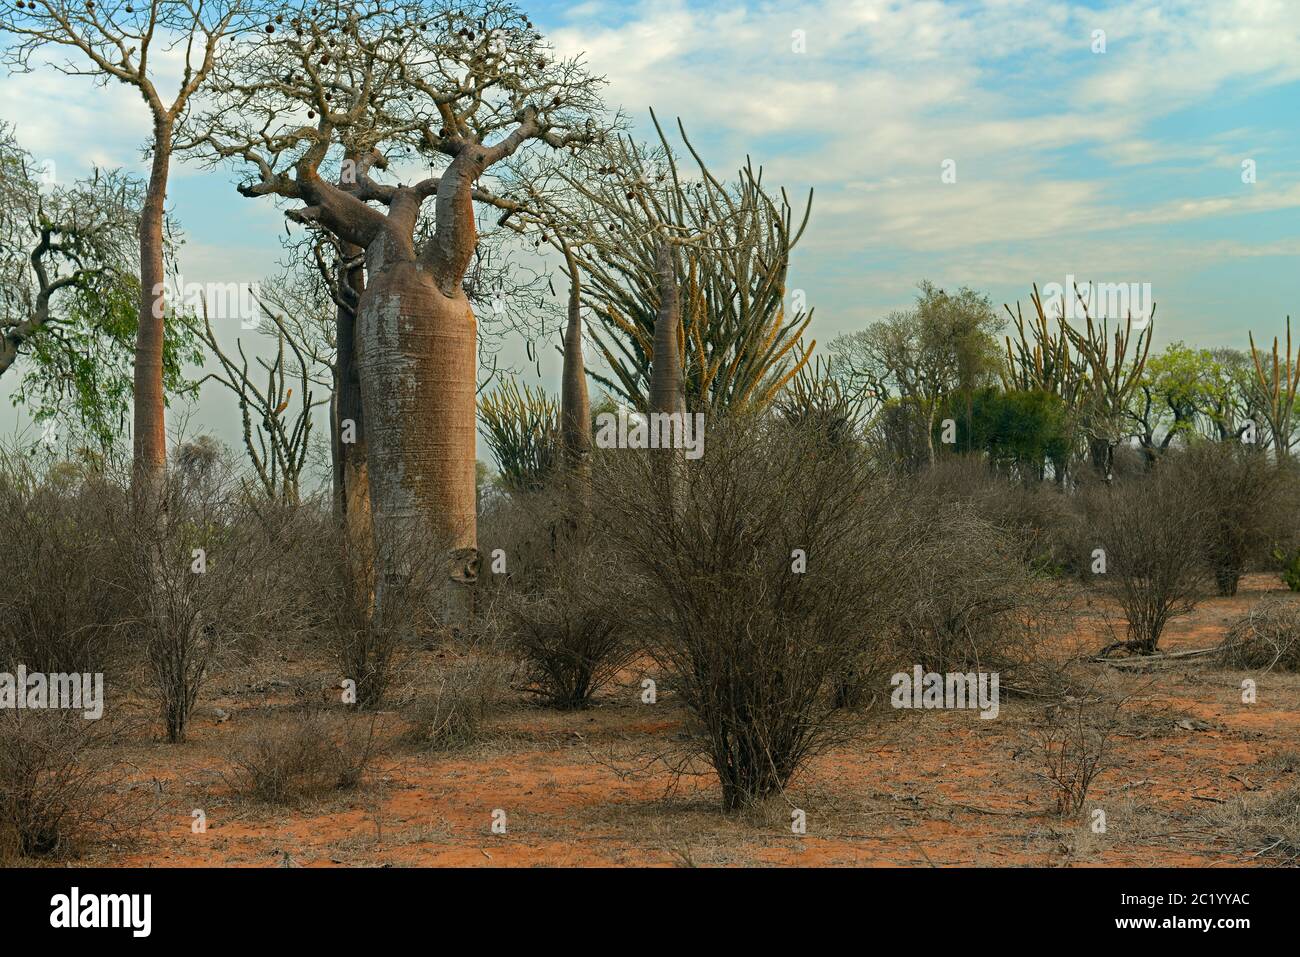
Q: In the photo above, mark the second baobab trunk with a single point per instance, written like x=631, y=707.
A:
x=666, y=393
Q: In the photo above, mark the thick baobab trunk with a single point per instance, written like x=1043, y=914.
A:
x=417, y=356
x=351, y=478
x=150, y=434
x=666, y=394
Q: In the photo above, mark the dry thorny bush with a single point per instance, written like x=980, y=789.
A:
x=462, y=696
x=1239, y=492
x=1073, y=742
x=61, y=785
x=64, y=601
x=203, y=562
x=1038, y=522
x=1267, y=824
x=1266, y=637
x=541, y=594
x=372, y=635
x=973, y=603
x=307, y=753
x=770, y=584
x=1151, y=533
x=754, y=641
x=97, y=581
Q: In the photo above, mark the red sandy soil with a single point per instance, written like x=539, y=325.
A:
x=915, y=788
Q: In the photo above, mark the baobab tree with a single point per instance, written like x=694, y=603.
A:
x=319, y=108
x=540, y=208
x=116, y=40
x=325, y=272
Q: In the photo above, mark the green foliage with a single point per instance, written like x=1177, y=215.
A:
x=1186, y=392
x=81, y=372
x=69, y=297
x=945, y=343
x=1020, y=431
x=522, y=428
x=1290, y=562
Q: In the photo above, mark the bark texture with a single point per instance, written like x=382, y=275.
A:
x=666, y=394
x=575, y=404
x=149, y=446
x=351, y=477
x=417, y=356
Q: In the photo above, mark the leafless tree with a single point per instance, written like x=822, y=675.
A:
x=1240, y=495
x=277, y=440
x=1148, y=535
x=769, y=573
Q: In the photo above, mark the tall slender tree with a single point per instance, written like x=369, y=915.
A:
x=69, y=297
x=575, y=401
x=119, y=41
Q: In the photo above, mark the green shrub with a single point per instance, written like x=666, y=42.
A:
x=1290, y=571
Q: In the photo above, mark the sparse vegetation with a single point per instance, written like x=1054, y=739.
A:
x=751, y=633
x=303, y=755
x=465, y=694
x=1148, y=537
x=64, y=786
x=1266, y=638
x=670, y=622
x=1073, y=743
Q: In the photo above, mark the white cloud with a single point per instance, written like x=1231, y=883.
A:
x=1066, y=160
x=1008, y=88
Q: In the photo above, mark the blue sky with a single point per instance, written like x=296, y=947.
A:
x=1116, y=166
